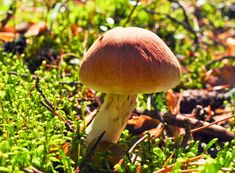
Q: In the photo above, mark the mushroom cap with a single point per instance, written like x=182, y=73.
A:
x=129, y=61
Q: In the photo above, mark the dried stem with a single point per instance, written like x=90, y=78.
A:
x=131, y=13
x=218, y=60
x=49, y=106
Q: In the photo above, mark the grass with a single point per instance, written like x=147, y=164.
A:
x=33, y=131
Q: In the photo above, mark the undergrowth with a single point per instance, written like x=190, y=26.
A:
x=35, y=137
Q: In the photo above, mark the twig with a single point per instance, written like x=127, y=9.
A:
x=144, y=137
x=171, y=18
x=10, y=13
x=168, y=160
x=186, y=20
x=169, y=168
x=49, y=106
x=189, y=170
x=217, y=60
x=178, y=120
x=210, y=124
x=32, y=169
x=185, y=14
x=185, y=23
x=131, y=13
x=179, y=22
x=37, y=85
x=214, y=130
x=73, y=83
x=228, y=169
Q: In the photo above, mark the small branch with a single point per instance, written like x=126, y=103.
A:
x=186, y=20
x=73, y=83
x=178, y=120
x=168, y=160
x=185, y=14
x=218, y=60
x=183, y=163
x=171, y=18
x=49, y=106
x=144, y=137
x=37, y=85
x=185, y=23
x=10, y=13
x=32, y=169
x=131, y=13
x=228, y=169
x=116, y=166
x=210, y=124
x=213, y=130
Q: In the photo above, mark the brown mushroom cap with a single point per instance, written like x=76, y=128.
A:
x=129, y=61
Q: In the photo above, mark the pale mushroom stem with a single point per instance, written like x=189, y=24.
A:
x=111, y=118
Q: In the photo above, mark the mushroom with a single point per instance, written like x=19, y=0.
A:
x=122, y=63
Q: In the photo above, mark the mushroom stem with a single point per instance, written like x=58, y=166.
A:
x=111, y=118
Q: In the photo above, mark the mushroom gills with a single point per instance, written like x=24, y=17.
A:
x=111, y=118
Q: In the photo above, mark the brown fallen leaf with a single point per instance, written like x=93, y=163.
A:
x=155, y=132
x=139, y=168
x=139, y=124
x=173, y=101
x=120, y=162
x=7, y=36
x=230, y=46
x=79, y=1
x=74, y=29
x=224, y=35
x=36, y=29
x=7, y=29
x=146, y=2
x=23, y=27
x=221, y=76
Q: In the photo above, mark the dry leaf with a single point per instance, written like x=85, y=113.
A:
x=173, y=102
x=222, y=37
x=36, y=29
x=79, y=1
x=7, y=36
x=139, y=124
x=139, y=168
x=7, y=29
x=156, y=132
x=230, y=45
x=23, y=27
x=221, y=76
x=74, y=29
x=146, y=2
x=65, y=147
